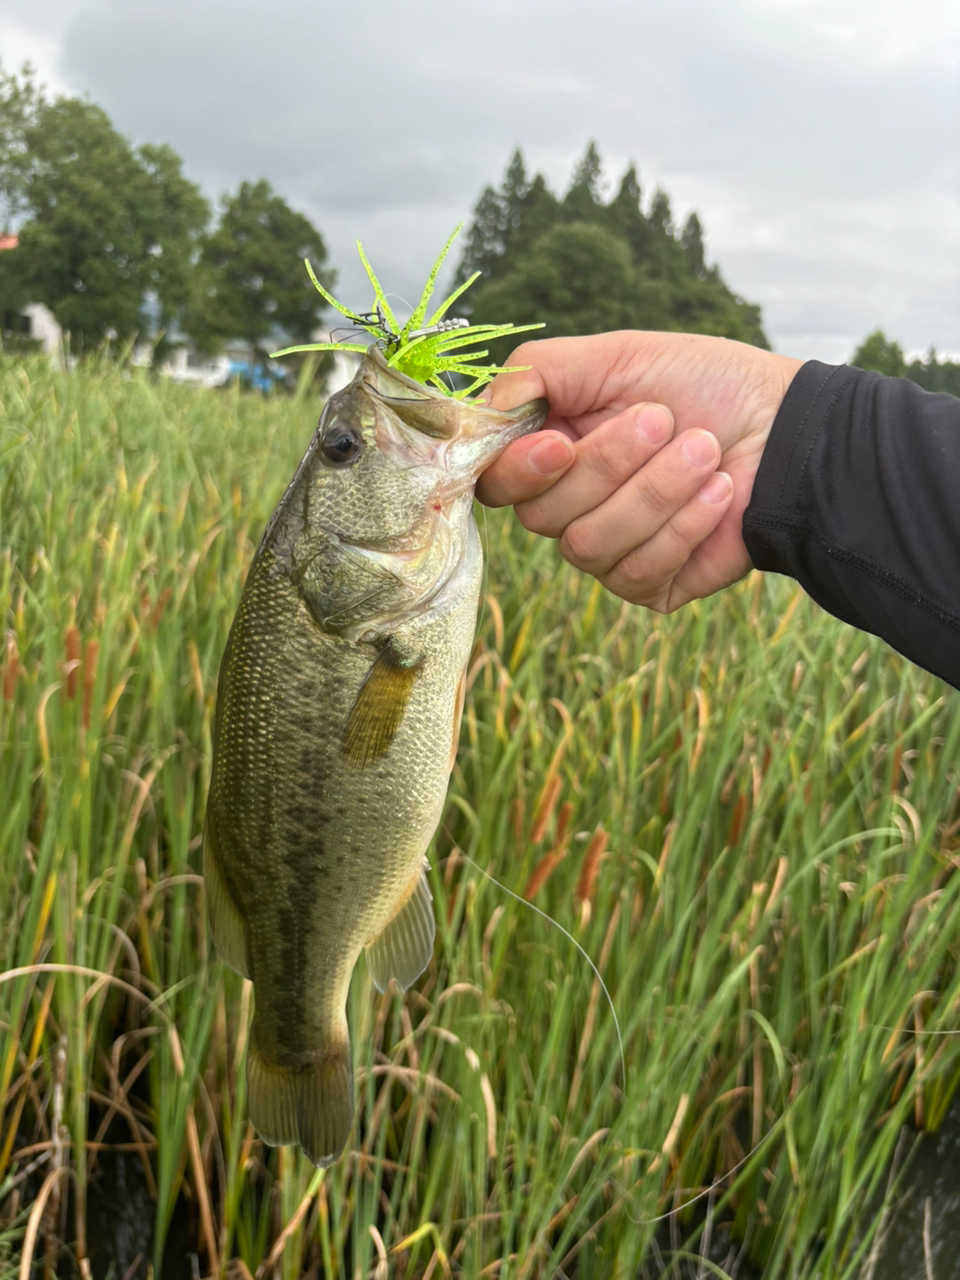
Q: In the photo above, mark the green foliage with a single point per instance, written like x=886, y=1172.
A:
x=423, y=356
x=882, y=355
x=770, y=800
x=576, y=278
x=625, y=268
x=114, y=240
x=879, y=353
x=934, y=374
x=106, y=225
x=250, y=282
x=20, y=100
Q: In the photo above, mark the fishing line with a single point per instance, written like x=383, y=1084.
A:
x=567, y=934
x=714, y=1186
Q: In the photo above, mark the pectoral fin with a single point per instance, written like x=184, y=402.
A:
x=228, y=925
x=379, y=708
x=403, y=949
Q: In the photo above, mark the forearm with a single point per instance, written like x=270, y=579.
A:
x=858, y=497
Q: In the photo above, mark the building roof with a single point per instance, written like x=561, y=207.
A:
x=8, y=241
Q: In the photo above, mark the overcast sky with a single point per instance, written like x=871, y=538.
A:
x=818, y=140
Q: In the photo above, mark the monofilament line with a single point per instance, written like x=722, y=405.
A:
x=567, y=934
x=623, y=1061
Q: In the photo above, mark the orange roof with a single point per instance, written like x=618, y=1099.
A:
x=8, y=241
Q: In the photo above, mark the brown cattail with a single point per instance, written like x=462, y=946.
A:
x=519, y=812
x=587, y=882
x=563, y=819
x=11, y=668
x=737, y=820
x=72, y=662
x=542, y=873
x=157, y=610
x=548, y=798
x=90, y=657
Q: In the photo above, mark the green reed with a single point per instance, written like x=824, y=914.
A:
x=746, y=814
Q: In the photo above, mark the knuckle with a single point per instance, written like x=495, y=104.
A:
x=653, y=492
x=606, y=455
x=579, y=545
x=534, y=516
x=649, y=596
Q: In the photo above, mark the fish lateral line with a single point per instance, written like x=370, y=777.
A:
x=569, y=936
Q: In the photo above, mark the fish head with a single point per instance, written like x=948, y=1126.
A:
x=379, y=513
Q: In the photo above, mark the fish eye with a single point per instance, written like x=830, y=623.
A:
x=341, y=444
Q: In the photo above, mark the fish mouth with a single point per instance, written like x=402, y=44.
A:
x=475, y=433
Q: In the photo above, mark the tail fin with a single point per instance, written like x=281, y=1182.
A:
x=310, y=1104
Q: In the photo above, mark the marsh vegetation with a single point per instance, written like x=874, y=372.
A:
x=746, y=813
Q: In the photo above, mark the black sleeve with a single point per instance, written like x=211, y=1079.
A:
x=858, y=497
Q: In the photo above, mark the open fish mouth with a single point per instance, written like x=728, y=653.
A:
x=475, y=434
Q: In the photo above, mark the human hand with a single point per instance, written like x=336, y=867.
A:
x=625, y=470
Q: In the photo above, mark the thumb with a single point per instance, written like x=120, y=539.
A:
x=508, y=390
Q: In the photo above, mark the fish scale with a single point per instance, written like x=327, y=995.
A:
x=338, y=713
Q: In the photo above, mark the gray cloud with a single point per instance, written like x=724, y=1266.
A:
x=817, y=139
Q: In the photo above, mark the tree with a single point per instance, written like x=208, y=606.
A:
x=106, y=227
x=585, y=194
x=577, y=278
x=505, y=221
x=483, y=246
x=691, y=237
x=935, y=375
x=661, y=215
x=877, y=352
x=175, y=216
x=20, y=99
x=625, y=215
x=251, y=280
x=661, y=280
x=513, y=195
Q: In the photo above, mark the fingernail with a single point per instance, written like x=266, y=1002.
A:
x=654, y=425
x=549, y=455
x=717, y=488
x=700, y=448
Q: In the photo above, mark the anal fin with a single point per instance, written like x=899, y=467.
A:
x=227, y=924
x=402, y=950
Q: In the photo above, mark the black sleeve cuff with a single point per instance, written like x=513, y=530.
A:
x=858, y=497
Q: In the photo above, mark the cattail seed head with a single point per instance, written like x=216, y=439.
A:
x=11, y=667
x=587, y=882
x=71, y=659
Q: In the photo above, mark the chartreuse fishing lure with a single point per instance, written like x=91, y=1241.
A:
x=423, y=349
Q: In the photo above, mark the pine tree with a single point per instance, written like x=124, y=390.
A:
x=617, y=266
x=513, y=193
x=484, y=246
x=585, y=195
x=661, y=215
x=692, y=240
x=625, y=215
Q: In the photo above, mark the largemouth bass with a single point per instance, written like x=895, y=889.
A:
x=338, y=715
